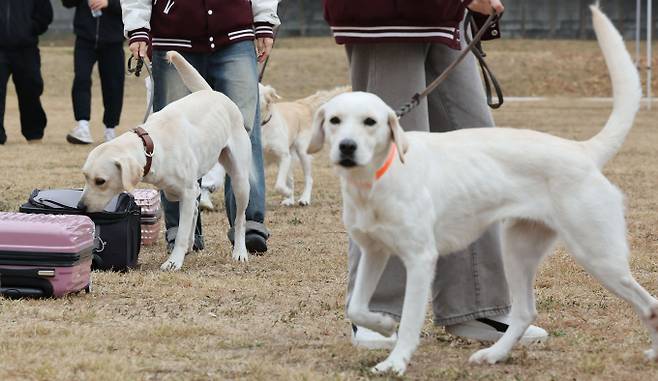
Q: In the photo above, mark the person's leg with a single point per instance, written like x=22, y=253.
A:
x=470, y=284
x=168, y=87
x=110, y=67
x=26, y=74
x=84, y=58
x=394, y=72
x=4, y=77
x=234, y=72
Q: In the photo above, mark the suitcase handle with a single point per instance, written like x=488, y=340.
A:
x=28, y=273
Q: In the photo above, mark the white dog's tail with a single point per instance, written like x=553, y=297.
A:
x=626, y=90
x=190, y=76
x=321, y=97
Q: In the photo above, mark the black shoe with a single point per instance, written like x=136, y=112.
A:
x=198, y=244
x=255, y=241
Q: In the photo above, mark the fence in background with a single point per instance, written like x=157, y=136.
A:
x=523, y=18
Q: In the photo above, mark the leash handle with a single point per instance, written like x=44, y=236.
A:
x=493, y=17
x=487, y=75
x=137, y=70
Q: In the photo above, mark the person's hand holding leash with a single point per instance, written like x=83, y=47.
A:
x=486, y=6
x=138, y=49
x=263, y=48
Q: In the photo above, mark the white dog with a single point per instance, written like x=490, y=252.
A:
x=420, y=195
x=188, y=137
x=286, y=132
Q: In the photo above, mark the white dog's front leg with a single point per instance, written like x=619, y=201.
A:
x=370, y=269
x=290, y=200
x=284, y=167
x=305, y=160
x=185, y=235
x=420, y=272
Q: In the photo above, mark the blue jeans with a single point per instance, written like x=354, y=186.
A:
x=232, y=71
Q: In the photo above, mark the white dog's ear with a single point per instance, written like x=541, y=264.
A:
x=130, y=171
x=317, y=131
x=397, y=133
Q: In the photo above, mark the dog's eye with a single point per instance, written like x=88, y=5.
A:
x=98, y=181
x=369, y=122
x=334, y=120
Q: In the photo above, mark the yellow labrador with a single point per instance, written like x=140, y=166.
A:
x=286, y=131
x=189, y=136
x=420, y=195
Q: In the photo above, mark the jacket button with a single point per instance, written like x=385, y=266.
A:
x=210, y=11
x=494, y=32
x=211, y=39
x=212, y=46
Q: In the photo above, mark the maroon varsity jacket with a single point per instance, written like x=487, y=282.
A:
x=197, y=25
x=368, y=21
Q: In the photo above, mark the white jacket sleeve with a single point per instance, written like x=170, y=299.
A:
x=265, y=17
x=136, y=19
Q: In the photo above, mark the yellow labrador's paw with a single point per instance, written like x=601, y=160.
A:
x=288, y=201
x=283, y=190
x=487, y=356
x=171, y=265
x=240, y=255
x=395, y=366
x=651, y=355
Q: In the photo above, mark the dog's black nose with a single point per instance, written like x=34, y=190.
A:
x=347, y=146
x=81, y=205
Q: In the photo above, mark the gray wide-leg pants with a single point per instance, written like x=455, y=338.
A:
x=470, y=284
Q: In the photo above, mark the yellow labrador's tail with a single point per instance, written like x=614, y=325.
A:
x=626, y=90
x=190, y=76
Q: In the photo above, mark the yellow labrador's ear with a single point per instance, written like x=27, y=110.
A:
x=130, y=171
x=317, y=131
x=397, y=134
x=270, y=93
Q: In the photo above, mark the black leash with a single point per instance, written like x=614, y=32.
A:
x=137, y=71
x=415, y=99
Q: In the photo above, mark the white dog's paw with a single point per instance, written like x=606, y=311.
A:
x=283, y=190
x=651, y=355
x=304, y=201
x=487, y=356
x=171, y=265
x=240, y=255
x=288, y=201
x=396, y=366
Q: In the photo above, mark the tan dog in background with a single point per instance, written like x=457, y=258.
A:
x=189, y=136
x=286, y=133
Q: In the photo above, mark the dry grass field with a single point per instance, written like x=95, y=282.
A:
x=280, y=317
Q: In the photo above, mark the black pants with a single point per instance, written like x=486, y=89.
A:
x=24, y=66
x=110, y=59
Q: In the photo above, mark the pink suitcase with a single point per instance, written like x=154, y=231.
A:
x=149, y=201
x=45, y=254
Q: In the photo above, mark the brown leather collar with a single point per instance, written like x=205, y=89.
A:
x=148, y=147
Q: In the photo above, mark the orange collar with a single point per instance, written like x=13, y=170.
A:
x=387, y=164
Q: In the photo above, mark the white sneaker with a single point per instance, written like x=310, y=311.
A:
x=365, y=338
x=205, y=203
x=109, y=134
x=80, y=135
x=493, y=328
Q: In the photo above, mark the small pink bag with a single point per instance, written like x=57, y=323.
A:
x=45, y=255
